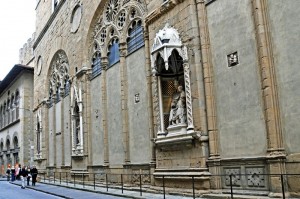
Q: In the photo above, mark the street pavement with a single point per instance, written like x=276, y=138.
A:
x=79, y=191
x=9, y=191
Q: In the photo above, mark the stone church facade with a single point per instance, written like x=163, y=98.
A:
x=169, y=88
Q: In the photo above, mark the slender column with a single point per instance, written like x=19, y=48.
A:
x=124, y=101
x=161, y=131
x=104, y=63
x=189, y=114
x=276, y=152
x=73, y=127
x=80, y=105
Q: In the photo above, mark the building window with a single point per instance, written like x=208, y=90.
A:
x=38, y=138
x=114, y=53
x=55, y=4
x=136, y=37
x=77, y=125
x=17, y=102
x=12, y=108
x=1, y=117
x=96, y=65
x=8, y=112
x=16, y=142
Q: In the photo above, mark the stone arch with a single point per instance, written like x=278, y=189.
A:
x=58, y=74
x=1, y=144
x=98, y=23
x=7, y=142
x=15, y=140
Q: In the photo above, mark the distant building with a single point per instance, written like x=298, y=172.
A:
x=16, y=122
x=206, y=88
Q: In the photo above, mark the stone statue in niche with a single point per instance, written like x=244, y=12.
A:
x=178, y=107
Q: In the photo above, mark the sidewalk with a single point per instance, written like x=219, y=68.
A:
x=79, y=191
x=69, y=191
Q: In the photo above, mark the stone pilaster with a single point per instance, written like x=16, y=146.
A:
x=275, y=152
x=124, y=101
x=149, y=94
x=214, y=156
x=208, y=81
x=104, y=63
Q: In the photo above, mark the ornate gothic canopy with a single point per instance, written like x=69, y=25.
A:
x=165, y=42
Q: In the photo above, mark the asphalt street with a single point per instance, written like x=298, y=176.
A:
x=13, y=191
x=9, y=191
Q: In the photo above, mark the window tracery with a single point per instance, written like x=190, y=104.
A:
x=59, y=78
x=114, y=24
x=96, y=64
x=77, y=121
x=135, y=36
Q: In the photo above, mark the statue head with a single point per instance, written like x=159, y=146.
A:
x=179, y=88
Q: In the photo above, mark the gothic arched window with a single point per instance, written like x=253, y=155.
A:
x=38, y=137
x=59, y=78
x=12, y=108
x=77, y=124
x=17, y=102
x=7, y=145
x=4, y=115
x=96, y=64
x=8, y=112
x=1, y=117
x=114, y=53
x=136, y=37
x=16, y=142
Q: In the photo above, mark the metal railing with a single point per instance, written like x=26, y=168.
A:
x=117, y=181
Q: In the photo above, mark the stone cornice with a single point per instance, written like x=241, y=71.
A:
x=164, y=8
x=48, y=24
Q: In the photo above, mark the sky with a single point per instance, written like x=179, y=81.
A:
x=17, y=24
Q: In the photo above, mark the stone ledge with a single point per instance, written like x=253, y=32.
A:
x=186, y=139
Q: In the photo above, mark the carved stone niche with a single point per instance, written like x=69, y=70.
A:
x=172, y=90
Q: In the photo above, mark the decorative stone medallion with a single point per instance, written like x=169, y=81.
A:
x=76, y=18
x=39, y=66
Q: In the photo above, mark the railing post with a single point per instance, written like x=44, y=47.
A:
x=44, y=177
x=164, y=189
x=122, y=182
x=106, y=182
x=54, y=176
x=83, y=180
x=94, y=182
x=74, y=179
x=282, y=186
x=231, y=193
x=67, y=178
x=193, y=181
x=59, y=177
x=140, y=184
